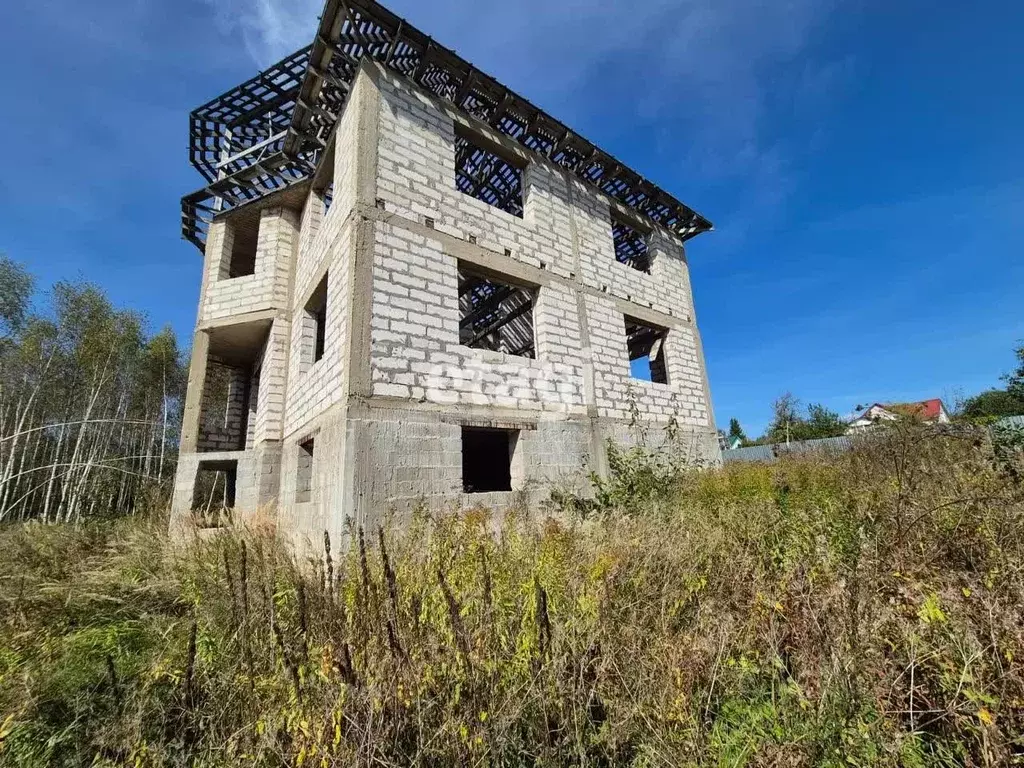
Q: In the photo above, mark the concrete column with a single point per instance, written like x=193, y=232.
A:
x=360, y=289
x=194, y=394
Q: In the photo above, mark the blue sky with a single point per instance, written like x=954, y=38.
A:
x=862, y=162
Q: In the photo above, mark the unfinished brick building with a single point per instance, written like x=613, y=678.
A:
x=420, y=288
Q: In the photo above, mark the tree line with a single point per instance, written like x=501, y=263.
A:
x=998, y=402
x=791, y=422
x=90, y=402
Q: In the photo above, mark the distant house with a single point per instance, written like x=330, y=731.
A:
x=727, y=442
x=927, y=411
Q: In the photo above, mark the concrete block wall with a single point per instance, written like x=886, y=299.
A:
x=416, y=181
x=316, y=386
x=267, y=422
x=257, y=481
x=567, y=227
x=327, y=240
x=326, y=509
x=223, y=409
x=415, y=351
x=408, y=457
x=666, y=289
x=386, y=403
x=620, y=396
x=267, y=288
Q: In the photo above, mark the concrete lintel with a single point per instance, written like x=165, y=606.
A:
x=497, y=263
x=214, y=456
x=493, y=261
x=291, y=197
x=646, y=314
x=243, y=319
x=495, y=423
x=364, y=406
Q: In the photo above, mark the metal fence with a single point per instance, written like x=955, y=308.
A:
x=771, y=452
x=825, y=445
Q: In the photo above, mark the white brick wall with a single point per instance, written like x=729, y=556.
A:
x=564, y=240
x=415, y=350
x=220, y=425
x=313, y=387
x=273, y=363
x=414, y=284
x=618, y=395
x=417, y=179
x=267, y=287
x=326, y=242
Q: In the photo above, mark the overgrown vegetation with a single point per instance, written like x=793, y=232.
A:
x=865, y=610
x=89, y=403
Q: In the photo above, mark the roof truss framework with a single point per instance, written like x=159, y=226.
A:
x=267, y=133
x=486, y=176
x=495, y=315
x=647, y=341
x=631, y=247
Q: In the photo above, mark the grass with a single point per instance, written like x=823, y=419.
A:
x=866, y=609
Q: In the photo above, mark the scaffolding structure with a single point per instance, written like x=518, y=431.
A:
x=268, y=133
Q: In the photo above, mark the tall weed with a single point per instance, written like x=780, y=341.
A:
x=864, y=609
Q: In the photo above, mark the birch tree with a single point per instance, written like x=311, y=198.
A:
x=90, y=404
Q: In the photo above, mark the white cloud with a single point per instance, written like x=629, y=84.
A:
x=270, y=29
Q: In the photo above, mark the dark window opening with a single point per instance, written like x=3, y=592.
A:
x=327, y=195
x=242, y=259
x=487, y=459
x=316, y=321
x=213, y=496
x=495, y=315
x=646, y=345
x=304, y=472
x=631, y=247
x=487, y=176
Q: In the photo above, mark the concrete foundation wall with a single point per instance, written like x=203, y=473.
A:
x=376, y=425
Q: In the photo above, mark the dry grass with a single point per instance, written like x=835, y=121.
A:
x=864, y=610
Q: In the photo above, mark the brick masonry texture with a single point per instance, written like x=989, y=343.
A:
x=386, y=403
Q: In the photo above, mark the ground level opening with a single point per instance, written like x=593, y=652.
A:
x=487, y=459
x=213, y=496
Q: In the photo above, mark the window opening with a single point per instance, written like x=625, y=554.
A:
x=304, y=472
x=631, y=247
x=227, y=408
x=488, y=176
x=242, y=259
x=213, y=496
x=646, y=346
x=327, y=195
x=495, y=315
x=487, y=459
x=316, y=321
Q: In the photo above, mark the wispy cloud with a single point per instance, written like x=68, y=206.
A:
x=270, y=29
